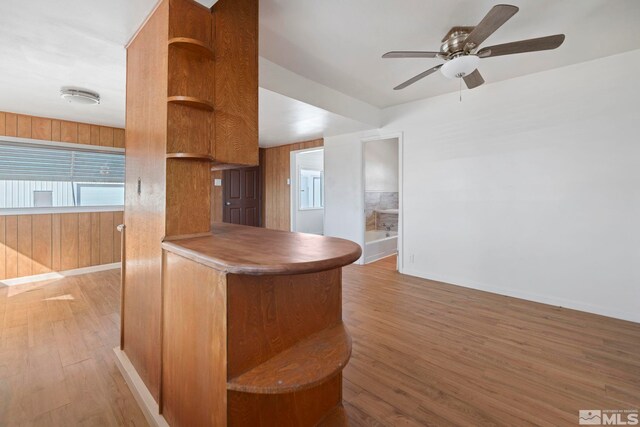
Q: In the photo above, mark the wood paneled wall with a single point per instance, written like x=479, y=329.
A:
x=216, y=197
x=23, y=126
x=42, y=243
x=276, y=168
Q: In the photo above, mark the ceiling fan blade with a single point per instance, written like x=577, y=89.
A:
x=410, y=54
x=522, y=46
x=497, y=16
x=473, y=80
x=418, y=77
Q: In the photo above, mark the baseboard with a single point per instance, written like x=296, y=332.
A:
x=543, y=299
x=140, y=392
x=58, y=274
x=378, y=257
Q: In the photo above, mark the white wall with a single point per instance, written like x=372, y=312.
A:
x=310, y=221
x=529, y=187
x=307, y=220
x=344, y=187
x=381, y=165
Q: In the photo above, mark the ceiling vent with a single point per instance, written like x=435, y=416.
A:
x=79, y=96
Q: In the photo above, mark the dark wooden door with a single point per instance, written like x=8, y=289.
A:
x=241, y=196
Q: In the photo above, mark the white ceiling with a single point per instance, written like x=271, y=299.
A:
x=284, y=120
x=335, y=43
x=46, y=45
x=338, y=43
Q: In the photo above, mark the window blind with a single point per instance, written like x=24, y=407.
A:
x=32, y=162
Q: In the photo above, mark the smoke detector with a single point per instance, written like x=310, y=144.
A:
x=79, y=96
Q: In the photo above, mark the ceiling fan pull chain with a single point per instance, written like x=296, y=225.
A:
x=460, y=80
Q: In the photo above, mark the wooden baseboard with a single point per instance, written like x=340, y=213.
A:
x=58, y=274
x=140, y=392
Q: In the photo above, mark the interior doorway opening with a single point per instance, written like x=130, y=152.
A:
x=381, y=165
x=307, y=191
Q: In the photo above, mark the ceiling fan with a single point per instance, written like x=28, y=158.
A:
x=460, y=48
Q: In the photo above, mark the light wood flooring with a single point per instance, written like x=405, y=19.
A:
x=424, y=353
x=57, y=366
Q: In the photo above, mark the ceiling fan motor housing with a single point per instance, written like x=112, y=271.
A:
x=459, y=62
x=455, y=40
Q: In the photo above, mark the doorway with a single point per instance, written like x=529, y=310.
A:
x=307, y=191
x=241, y=196
x=381, y=170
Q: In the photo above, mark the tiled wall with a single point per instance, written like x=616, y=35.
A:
x=377, y=200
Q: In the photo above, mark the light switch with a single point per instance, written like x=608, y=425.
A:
x=217, y=182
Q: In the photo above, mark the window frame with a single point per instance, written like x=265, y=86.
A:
x=64, y=209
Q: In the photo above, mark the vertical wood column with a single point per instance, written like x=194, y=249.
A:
x=175, y=83
x=145, y=211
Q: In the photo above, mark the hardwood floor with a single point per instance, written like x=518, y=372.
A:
x=57, y=367
x=427, y=353
x=424, y=353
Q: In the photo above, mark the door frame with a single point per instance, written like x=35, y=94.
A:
x=363, y=141
x=293, y=181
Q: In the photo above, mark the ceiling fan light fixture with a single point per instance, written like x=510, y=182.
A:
x=460, y=66
x=461, y=41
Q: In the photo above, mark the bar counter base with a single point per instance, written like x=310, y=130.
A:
x=252, y=331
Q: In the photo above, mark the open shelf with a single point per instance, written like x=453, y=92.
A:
x=191, y=101
x=190, y=156
x=308, y=363
x=192, y=45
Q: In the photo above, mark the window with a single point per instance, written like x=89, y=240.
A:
x=311, y=189
x=35, y=175
x=100, y=194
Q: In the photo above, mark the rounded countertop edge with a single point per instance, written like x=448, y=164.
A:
x=252, y=269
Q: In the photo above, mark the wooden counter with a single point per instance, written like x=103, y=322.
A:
x=252, y=327
x=256, y=251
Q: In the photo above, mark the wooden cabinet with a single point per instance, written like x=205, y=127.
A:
x=212, y=83
x=235, y=29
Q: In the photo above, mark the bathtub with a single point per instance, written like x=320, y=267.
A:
x=379, y=244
